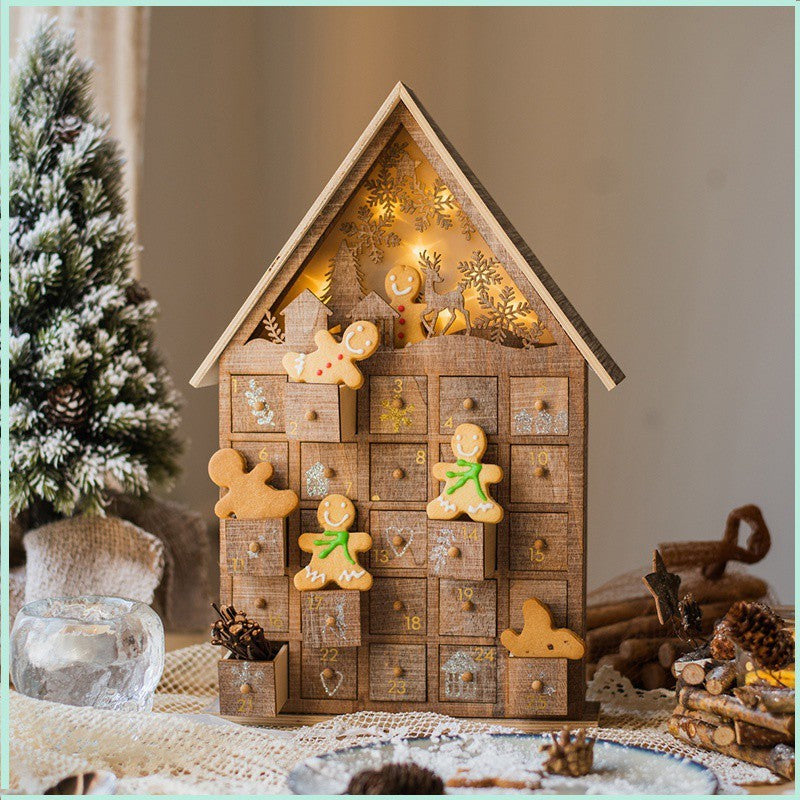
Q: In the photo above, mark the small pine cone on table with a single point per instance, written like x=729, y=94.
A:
x=67, y=406
x=762, y=633
x=67, y=129
x=397, y=779
x=569, y=754
x=722, y=645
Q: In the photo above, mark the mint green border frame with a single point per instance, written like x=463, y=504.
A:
x=5, y=5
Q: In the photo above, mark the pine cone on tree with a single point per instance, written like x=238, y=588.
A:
x=569, y=754
x=397, y=779
x=690, y=616
x=67, y=406
x=136, y=293
x=762, y=633
x=722, y=645
x=67, y=129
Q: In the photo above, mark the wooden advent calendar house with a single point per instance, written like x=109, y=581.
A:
x=472, y=329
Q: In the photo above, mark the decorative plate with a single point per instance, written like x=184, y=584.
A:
x=618, y=768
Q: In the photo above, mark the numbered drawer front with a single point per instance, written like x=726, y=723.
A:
x=539, y=406
x=329, y=673
x=318, y=413
x=398, y=472
x=467, y=674
x=277, y=453
x=253, y=546
x=461, y=549
x=468, y=608
x=257, y=403
x=538, y=541
x=397, y=672
x=539, y=474
x=331, y=618
x=537, y=687
x=446, y=455
x=467, y=400
x=254, y=688
x=398, y=606
x=398, y=405
x=399, y=540
x=266, y=600
x=553, y=593
x=328, y=469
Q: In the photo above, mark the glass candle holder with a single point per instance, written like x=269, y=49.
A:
x=105, y=652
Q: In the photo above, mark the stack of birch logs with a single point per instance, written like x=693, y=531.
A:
x=623, y=630
x=752, y=723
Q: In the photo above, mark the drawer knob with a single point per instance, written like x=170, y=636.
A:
x=311, y=415
x=539, y=544
x=468, y=404
x=540, y=471
x=328, y=472
x=327, y=673
x=330, y=622
x=398, y=605
x=540, y=405
x=398, y=473
x=259, y=405
x=466, y=677
x=397, y=402
x=398, y=672
x=261, y=602
x=536, y=686
x=254, y=547
x=398, y=540
x=454, y=552
x=468, y=605
x=246, y=688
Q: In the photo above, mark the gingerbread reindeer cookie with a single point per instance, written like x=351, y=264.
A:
x=334, y=552
x=249, y=496
x=403, y=285
x=466, y=489
x=332, y=361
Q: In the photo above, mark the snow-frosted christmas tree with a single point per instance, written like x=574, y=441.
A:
x=92, y=407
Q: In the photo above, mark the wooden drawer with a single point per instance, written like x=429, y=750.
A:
x=328, y=469
x=553, y=593
x=398, y=472
x=467, y=400
x=538, y=541
x=537, y=687
x=397, y=672
x=277, y=453
x=398, y=404
x=331, y=618
x=468, y=608
x=320, y=413
x=539, y=406
x=467, y=674
x=461, y=549
x=398, y=606
x=253, y=546
x=329, y=672
x=254, y=688
x=539, y=474
x=257, y=403
x=399, y=540
x=266, y=600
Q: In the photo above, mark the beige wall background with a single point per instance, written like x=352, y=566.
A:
x=645, y=154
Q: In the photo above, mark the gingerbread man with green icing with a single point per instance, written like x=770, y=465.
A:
x=466, y=489
x=334, y=552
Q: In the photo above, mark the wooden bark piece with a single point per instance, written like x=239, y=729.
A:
x=732, y=708
x=720, y=678
x=778, y=700
x=538, y=638
x=663, y=585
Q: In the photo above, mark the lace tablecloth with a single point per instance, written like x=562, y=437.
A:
x=183, y=749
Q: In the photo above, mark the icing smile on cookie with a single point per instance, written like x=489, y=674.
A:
x=401, y=292
x=460, y=451
x=335, y=525
x=348, y=337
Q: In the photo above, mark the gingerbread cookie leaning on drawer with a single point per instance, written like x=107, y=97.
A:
x=334, y=552
x=332, y=361
x=466, y=489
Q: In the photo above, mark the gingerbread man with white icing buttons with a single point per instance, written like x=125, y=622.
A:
x=466, y=489
x=332, y=361
x=403, y=285
x=334, y=552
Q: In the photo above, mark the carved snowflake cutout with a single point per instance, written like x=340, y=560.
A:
x=429, y=204
x=370, y=235
x=480, y=272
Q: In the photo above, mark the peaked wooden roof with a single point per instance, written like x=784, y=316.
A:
x=543, y=284
x=373, y=306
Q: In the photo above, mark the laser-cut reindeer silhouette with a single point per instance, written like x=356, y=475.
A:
x=436, y=302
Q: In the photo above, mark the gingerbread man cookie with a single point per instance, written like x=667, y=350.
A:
x=248, y=495
x=332, y=361
x=538, y=638
x=334, y=552
x=466, y=489
x=403, y=285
